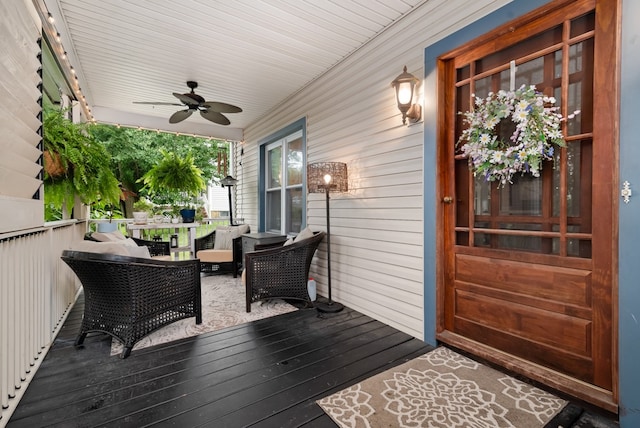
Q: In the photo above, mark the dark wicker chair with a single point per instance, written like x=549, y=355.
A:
x=129, y=297
x=156, y=248
x=280, y=272
x=207, y=242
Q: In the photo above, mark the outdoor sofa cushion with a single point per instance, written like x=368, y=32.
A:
x=120, y=249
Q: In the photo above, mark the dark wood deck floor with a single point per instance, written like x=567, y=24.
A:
x=267, y=373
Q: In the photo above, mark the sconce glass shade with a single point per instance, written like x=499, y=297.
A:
x=229, y=181
x=317, y=177
x=405, y=85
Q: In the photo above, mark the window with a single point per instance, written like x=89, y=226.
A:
x=283, y=178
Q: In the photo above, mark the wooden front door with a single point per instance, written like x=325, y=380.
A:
x=528, y=269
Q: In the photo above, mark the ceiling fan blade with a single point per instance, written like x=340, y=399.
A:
x=157, y=104
x=180, y=115
x=215, y=117
x=187, y=100
x=221, y=107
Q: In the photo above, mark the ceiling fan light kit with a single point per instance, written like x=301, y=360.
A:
x=210, y=110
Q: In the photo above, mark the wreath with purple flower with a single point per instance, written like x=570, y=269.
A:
x=537, y=130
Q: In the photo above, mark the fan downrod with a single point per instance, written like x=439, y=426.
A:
x=192, y=84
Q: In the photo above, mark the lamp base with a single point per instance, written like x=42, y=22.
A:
x=328, y=307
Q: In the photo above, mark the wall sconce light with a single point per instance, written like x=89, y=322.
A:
x=404, y=85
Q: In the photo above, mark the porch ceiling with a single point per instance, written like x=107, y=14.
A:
x=250, y=53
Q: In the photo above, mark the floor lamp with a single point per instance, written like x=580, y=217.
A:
x=327, y=177
x=229, y=182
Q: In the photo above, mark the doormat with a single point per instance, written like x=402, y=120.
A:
x=442, y=389
x=223, y=305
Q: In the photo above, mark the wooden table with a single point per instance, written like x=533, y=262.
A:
x=250, y=240
x=191, y=227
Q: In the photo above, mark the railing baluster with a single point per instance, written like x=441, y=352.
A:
x=36, y=293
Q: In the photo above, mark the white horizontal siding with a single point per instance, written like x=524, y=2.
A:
x=19, y=109
x=377, y=226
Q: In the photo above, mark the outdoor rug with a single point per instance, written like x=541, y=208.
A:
x=442, y=389
x=223, y=305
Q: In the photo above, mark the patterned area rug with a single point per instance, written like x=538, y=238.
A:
x=442, y=389
x=223, y=305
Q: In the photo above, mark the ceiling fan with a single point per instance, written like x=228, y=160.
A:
x=210, y=110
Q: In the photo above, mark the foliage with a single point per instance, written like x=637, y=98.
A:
x=134, y=152
x=537, y=130
x=105, y=211
x=174, y=177
x=143, y=205
x=86, y=163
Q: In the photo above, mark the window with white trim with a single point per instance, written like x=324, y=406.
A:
x=284, y=195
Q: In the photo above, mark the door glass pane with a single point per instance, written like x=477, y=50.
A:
x=482, y=195
x=274, y=171
x=523, y=197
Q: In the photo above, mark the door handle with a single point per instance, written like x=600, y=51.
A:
x=447, y=200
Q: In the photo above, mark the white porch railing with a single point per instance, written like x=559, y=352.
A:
x=37, y=291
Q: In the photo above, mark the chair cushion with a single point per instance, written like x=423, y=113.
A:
x=226, y=234
x=304, y=234
x=224, y=239
x=215, y=256
x=110, y=248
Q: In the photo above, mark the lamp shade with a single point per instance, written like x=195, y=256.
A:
x=327, y=176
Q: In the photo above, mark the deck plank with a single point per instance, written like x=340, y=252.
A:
x=265, y=373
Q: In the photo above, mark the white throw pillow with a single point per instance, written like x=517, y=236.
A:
x=242, y=229
x=114, y=236
x=110, y=248
x=224, y=239
x=304, y=234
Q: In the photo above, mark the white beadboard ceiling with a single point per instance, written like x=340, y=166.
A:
x=250, y=53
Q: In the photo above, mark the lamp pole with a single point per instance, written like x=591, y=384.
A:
x=330, y=306
x=229, y=182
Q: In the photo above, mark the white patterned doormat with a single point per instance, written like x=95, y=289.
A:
x=442, y=389
x=223, y=305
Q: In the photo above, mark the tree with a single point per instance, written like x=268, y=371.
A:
x=134, y=152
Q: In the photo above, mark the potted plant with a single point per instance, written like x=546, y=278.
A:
x=141, y=209
x=105, y=211
x=177, y=176
x=75, y=164
x=175, y=214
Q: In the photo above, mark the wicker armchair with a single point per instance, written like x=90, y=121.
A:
x=156, y=248
x=280, y=272
x=129, y=297
x=233, y=265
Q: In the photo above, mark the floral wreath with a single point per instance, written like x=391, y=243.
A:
x=537, y=130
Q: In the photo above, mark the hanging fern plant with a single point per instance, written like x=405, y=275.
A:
x=83, y=164
x=174, y=174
